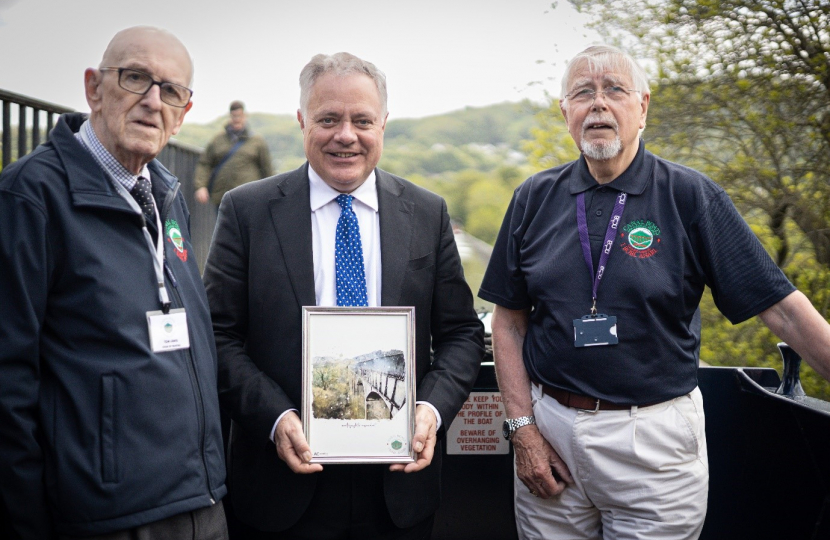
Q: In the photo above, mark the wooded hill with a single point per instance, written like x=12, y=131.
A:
x=472, y=138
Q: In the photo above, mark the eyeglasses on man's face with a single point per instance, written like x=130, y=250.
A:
x=140, y=83
x=588, y=95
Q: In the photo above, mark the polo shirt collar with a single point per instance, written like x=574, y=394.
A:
x=632, y=181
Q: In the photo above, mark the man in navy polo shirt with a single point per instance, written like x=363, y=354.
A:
x=597, y=275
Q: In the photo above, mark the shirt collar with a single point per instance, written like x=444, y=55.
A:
x=107, y=161
x=632, y=181
x=321, y=193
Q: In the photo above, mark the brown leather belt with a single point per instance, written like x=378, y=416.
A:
x=586, y=403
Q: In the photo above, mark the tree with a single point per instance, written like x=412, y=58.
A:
x=551, y=145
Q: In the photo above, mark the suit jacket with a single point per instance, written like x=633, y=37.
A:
x=259, y=274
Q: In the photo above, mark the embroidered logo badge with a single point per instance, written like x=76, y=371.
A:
x=174, y=236
x=640, y=238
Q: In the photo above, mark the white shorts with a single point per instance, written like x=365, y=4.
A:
x=641, y=473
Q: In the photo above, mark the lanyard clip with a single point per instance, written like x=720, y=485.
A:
x=594, y=308
x=165, y=299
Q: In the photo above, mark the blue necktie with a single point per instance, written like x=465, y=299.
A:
x=348, y=257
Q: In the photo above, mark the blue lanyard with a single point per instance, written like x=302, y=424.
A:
x=607, y=245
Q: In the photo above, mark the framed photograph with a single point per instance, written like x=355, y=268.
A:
x=359, y=384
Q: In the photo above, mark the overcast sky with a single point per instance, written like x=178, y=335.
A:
x=438, y=55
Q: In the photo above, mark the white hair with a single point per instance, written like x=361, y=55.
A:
x=602, y=58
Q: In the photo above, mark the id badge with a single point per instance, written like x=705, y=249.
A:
x=595, y=330
x=168, y=332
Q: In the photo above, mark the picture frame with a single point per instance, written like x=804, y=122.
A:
x=359, y=384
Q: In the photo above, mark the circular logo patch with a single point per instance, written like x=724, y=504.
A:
x=640, y=238
x=176, y=238
x=397, y=445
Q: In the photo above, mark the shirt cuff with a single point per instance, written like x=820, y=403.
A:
x=428, y=404
x=274, y=429
x=437, y=414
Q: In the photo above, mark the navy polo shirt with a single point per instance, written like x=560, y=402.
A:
x=679, y=231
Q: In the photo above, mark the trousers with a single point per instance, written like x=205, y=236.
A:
x=639, y=473
x=203, y=524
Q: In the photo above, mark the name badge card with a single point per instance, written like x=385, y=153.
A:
x=168, y=332
x=594, y=330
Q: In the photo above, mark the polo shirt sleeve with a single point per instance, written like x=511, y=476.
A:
x=504, y=281
x=743, y=277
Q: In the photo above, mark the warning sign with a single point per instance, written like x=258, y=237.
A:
x=476, y=428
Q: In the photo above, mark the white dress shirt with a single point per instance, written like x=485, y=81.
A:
x=325, y=211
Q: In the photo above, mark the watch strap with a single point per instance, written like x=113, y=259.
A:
x=516, y=423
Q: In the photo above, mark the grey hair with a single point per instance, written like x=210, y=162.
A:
x=601, y=58
x=339, y=64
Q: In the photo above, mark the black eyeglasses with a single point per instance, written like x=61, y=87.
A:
x=140, y=83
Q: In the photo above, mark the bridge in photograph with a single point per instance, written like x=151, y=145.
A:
x=382, y=378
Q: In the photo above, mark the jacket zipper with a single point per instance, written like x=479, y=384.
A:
x=168, y=203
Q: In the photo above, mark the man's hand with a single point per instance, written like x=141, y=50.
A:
x=202, y=196
x=423, y=442
x=292, y=446
x=538, y=465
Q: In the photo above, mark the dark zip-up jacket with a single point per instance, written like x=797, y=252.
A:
x=97, y=432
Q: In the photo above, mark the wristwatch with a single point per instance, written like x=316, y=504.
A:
x=512, y=424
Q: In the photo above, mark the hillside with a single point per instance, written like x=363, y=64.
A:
x=478, y=138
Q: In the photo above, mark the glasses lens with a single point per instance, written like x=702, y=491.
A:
x=583, y=95
x=135, y=81
x=615, y=92
x=175, y=95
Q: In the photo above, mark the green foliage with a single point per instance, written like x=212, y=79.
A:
x=477, y=200
x=552, y=145
x=332, y=393
x=502, y=124
x=488, y=202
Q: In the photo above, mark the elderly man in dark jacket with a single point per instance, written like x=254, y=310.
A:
x=109, y=418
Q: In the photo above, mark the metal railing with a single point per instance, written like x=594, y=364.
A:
x=40, y=111
x=35, y=120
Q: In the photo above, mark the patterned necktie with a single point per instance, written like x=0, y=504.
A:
x=348, y=257
x=143, y=195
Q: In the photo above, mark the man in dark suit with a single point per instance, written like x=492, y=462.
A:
x=273, y=252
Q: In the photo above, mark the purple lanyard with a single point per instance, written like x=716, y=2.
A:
x=610, y=233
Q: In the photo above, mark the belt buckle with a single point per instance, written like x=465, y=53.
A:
x=594, y=410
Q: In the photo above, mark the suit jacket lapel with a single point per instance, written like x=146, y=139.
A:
x=291, y=215
x=395, y=232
